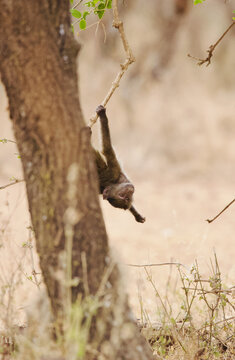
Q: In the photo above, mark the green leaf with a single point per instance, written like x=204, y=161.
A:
x=234, y=18
x=75, y=13
x=101, y=6
x=198, y=2
x=109, y=4
x=100, y=14
x=85, y=14
x=91, y=3
x=82, y=24
x=100, y=11
x=71, y=2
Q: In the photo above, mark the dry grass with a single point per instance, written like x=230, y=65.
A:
x=197, y=324
x=203, y=324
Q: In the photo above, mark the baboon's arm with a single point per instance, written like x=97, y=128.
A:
x=137, y=216
x=107, y=148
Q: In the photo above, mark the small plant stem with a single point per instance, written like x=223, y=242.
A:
x=85, y=277
x=4, y=141
x=173, y=329
x=188, y=302
x=104, y=280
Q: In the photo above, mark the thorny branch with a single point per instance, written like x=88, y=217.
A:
x=211, y=49
x=118, y=24
x=226, y=207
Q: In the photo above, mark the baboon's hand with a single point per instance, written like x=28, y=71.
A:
x=100, y=110
x=139, y=218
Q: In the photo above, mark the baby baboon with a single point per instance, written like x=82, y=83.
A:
x=114, y=185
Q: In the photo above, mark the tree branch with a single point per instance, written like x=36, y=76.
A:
x=211, y=49
x=12, y=183
x=226, y=207
x=118, y=24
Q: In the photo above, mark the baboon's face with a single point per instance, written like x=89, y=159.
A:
x=120, y=195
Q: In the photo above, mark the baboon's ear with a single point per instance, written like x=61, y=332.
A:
x=106, y=193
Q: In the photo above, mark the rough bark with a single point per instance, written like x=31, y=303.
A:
x=38, y=68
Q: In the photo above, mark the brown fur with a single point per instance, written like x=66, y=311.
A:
x=114, y=185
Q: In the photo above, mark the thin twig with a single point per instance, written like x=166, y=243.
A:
x=4, y=141
x=85, y=275
x=16, y=181
x=34, y=273
x=226, y=207
x=118, y=24
x=104, y=280
x=216, y=323
x=157, y=264
x=222, y=291
x=77, y=4
x=211, y=49
x=188, y=302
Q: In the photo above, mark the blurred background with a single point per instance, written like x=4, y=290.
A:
x=172, y=125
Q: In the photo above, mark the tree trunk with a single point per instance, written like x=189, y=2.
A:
x=38, y=68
